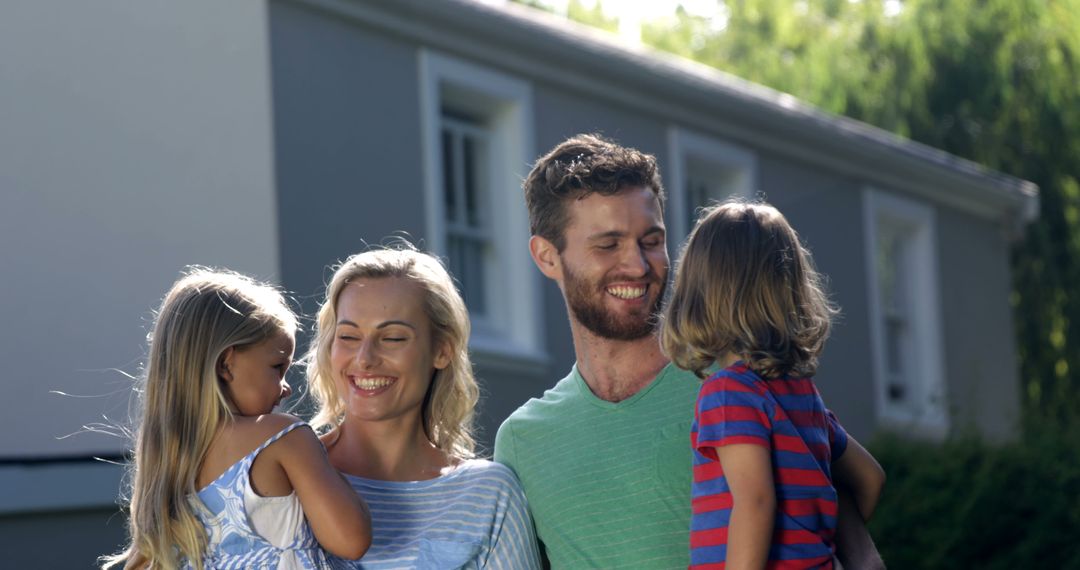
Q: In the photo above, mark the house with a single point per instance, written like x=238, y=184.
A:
x=277, y=137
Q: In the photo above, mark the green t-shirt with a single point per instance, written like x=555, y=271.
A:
x=608, y=483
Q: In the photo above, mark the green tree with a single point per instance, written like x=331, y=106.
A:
x=591, y=14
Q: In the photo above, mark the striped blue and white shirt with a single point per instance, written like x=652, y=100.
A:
x=473, y=517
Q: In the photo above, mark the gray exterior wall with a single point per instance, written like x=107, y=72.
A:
x=129, y=148
x=134, y=140
x=347, y=138
x=981, y=363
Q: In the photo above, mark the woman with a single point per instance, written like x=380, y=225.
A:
x=390, y=371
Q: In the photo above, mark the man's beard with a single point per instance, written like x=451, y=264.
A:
x=586, y=302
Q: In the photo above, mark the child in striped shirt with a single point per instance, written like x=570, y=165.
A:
x=748, y=303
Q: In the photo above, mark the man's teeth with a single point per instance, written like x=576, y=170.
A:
x=627, y=292
x=372, y=383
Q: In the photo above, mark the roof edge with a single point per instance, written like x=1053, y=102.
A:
x=551, y=49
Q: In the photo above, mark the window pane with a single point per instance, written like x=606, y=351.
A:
x=893, y=279
x=895, y=332
x=448, y=174
x=453, y=254
x=709, y=183
x=474, y=268
x=897, y=392
x=468, y=232
x=470, y=163
x=886, y=269
x=697, y=195
x=467, y=266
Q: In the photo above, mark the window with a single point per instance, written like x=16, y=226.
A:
x=704, y=171
x=477, y=149
x=904, y=311
x=469, y=239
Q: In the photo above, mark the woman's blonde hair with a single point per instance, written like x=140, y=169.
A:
x=451, y=399
x=744, y=284
x=181, y=405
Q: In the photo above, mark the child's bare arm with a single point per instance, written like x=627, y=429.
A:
x=748, y=470
x=858, y=472
x=339, y=518
x=854, y=546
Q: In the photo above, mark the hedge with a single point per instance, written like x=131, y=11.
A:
x=967, y=503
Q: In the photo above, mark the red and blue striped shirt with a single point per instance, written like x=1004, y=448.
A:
x=787, y=416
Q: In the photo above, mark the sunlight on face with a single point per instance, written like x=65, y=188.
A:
x=384, y=353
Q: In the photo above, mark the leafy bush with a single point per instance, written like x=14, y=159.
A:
x=967, y=503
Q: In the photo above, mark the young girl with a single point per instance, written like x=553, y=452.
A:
x=748, y=300
x=219, y=478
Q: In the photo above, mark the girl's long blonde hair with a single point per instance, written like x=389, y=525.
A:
x=744, y=284
x=451, y=399
x=181, y=405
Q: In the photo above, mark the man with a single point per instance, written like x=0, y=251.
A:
x=604, y=456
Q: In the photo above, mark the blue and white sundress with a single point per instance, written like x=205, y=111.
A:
x=246, y=530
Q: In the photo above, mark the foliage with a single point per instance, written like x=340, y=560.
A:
x=1016, y=505
x=583, y=12
x=593, y=15
x=994, y=81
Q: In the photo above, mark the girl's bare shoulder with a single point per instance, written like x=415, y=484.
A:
x=254, y=430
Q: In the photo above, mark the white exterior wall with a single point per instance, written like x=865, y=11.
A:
x=135, y=138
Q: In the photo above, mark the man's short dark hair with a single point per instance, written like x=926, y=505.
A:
x=576, y=168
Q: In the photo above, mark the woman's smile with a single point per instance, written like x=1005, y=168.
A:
x=372, y=385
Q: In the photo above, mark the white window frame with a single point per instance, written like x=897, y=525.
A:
x=510, y=332
x=685, y=146
x=916, y=220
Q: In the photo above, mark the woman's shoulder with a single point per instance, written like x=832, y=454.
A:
x=479, y=466
x=496, y=477
x=482, y=471
x=486, y=485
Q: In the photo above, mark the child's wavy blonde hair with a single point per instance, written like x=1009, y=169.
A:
x=451, y=399
x=744, y=284
x=181, y=406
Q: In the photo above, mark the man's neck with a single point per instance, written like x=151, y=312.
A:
x=616, y=369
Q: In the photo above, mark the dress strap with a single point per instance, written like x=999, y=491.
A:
x=251, y=456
